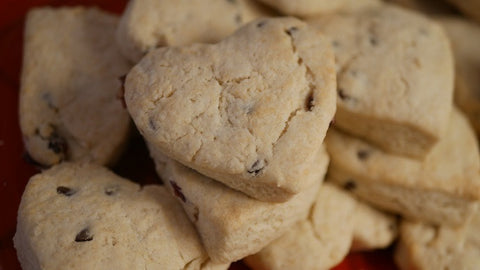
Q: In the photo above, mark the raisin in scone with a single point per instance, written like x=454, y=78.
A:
x=250, y=111
x=441, y=189
x=231, y=224
x=147, y=24
x=325, y=237
x=470, y=7
x=308, y=8
x=69, y=108
x=465, y=38
x=395, y=77
x=77, y=216
x=427, y=247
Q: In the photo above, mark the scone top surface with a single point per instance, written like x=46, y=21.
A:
x=68, y=107
x=395, y=77
x=78, y=216
x=148, y=24
x=250, y=111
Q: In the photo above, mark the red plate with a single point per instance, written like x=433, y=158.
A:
x=15, y=171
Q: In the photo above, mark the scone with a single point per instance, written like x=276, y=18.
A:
x=395, y=77
x=470, y=7
x=441, y=189
x=320, y=242
x=69, y=108
x=373, y=229
x=309, y=8
x=325, y=237
x=76, y=216
x=250, y=111
x=465, y=39
x=231, y=224
x=147, y=24
x=426, y=247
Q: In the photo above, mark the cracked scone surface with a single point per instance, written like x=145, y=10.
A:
x=441, y=189
x=147, y=24
x=395, y=77
x=465, y=38
x=250, y=111
x=68, y=106
x=307, y=8
x=76, y=216
x=426, y=247
x=231, y=224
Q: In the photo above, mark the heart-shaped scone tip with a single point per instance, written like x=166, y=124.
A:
x=250, y=111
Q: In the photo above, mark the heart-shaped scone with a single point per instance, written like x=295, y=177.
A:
x=78, y=216
x=251, y=111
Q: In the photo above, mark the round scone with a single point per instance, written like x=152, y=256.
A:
x=470, y=7
x=250, y=111
x=394, y=75
x=148, y=24
x=77, y=216
x=308, y=8
x=465, y=39
x=69, y=108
